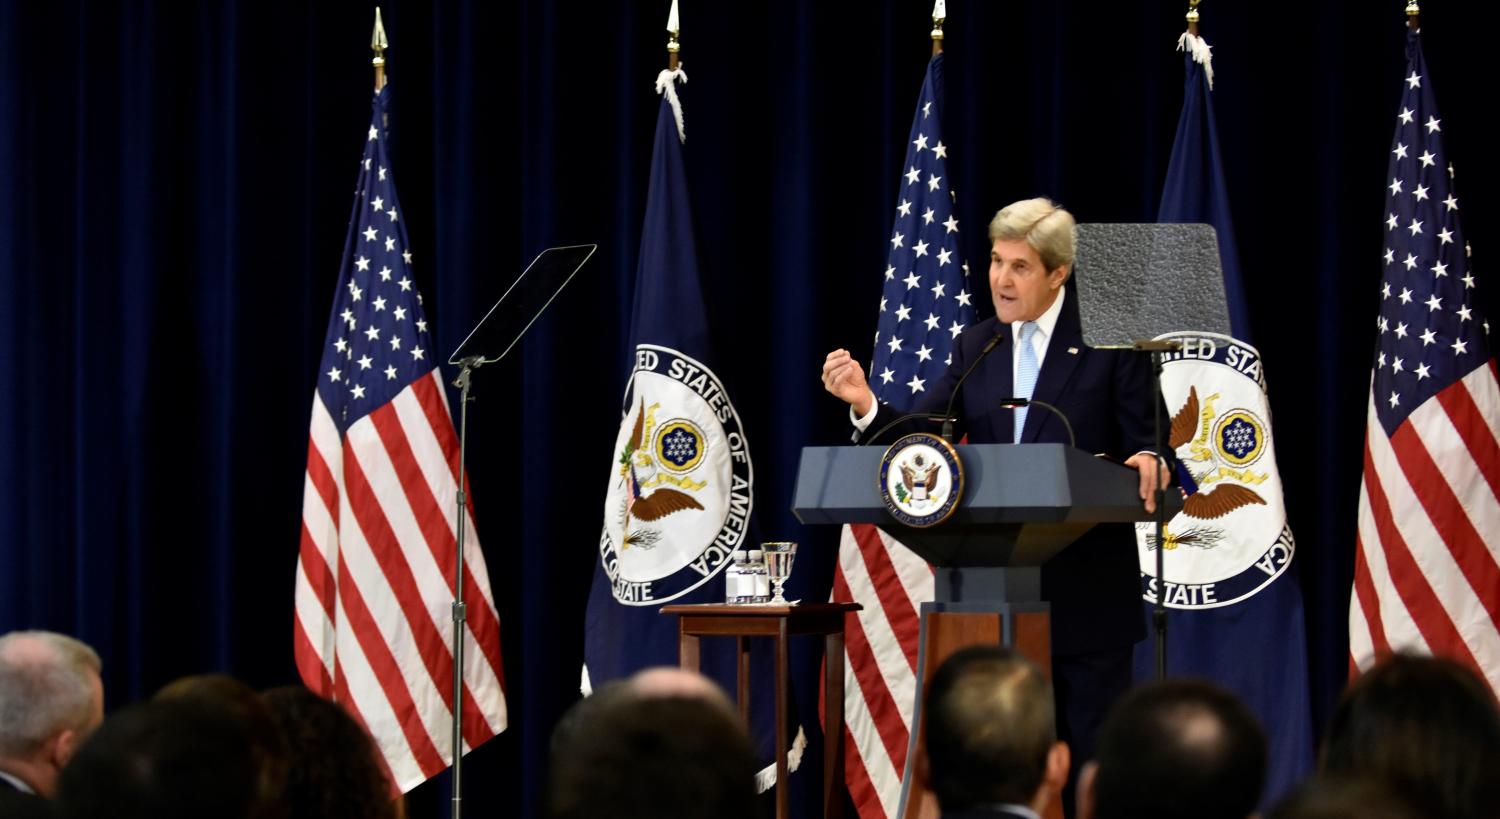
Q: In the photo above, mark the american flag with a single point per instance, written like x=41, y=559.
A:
x=375, y=571
x=1425, y=574
x=924, y=305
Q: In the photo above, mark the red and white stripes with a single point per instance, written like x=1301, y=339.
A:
x=374, y=583
x=880, y=662
x=1427, y=565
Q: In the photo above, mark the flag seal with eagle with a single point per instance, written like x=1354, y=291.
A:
x=1231, y=538
x=679, y=497
x=921, y=480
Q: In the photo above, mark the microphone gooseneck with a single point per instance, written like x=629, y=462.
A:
x=1017, y=403
x=948, y=413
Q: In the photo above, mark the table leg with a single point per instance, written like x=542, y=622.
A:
x=783, y=792
x=687, y=650
x=742, y=677
x=833, y=725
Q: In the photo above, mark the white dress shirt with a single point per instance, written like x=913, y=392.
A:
x=1045, y=324
x=18, y=783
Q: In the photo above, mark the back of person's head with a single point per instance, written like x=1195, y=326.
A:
x=240, y=704
x=630, y=753
x=989, y=729
x=670, y=681
x=1344, y=798
x=1177, y=749
x=48, y=684
x=163, y=760
x=334, y=768
x=1426, y=726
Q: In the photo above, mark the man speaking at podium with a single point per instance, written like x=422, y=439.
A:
x=1033, y=349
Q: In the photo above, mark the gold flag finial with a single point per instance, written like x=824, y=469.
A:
x=1192, y=17
x=939, y=14
x=379, y=44
x=1412, y=13
x=674, y=27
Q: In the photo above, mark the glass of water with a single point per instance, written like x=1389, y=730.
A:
x=779, y=556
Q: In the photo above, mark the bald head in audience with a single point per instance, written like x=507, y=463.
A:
x=1178, y=749
x=51, y=699
x=665, y=742
x=667, y=681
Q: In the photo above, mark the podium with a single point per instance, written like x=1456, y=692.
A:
x=1022, y=504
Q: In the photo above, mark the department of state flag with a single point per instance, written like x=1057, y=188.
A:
x=1237, y=615
x=679, y=495
x=680, y=487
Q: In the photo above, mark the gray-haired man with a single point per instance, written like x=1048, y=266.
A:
x=51, y=699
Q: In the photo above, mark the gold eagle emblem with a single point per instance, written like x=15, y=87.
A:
x=638, y=504
x=1191, y=426
x=920, y=481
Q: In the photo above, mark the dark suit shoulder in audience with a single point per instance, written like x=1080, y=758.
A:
x=16, y=804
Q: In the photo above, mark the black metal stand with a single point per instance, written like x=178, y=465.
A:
x=460, y=611
x=497, y=333
x=1159, y=611
x=1163, y=465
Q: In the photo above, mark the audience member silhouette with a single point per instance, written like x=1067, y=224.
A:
x=1177, y=749
x=164, y=760
x=1324, y=797
x=990, y=745
x=1428, y=728
x=665, y=743
x=333, y=764
x=242, y=705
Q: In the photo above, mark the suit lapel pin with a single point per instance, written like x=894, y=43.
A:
x=1072, y=351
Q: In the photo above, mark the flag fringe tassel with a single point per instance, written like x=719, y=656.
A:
x=767, y=776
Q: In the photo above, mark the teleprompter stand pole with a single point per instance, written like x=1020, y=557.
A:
x=460, y=619
x=1163, y=464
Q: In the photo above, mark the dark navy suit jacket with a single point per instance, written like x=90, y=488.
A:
x=15, y=804
x=1093, y=585
x=984, y=813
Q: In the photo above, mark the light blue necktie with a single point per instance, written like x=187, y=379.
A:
x=1026, y=371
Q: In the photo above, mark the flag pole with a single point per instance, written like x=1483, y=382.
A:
x=1163, y=465
x=674, y=27
x=378, y=45
x=1413, y=14
x=939, y=14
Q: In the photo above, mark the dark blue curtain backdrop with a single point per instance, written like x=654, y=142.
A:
x=175, y=183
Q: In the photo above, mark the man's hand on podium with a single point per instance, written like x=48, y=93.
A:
x=1151, y=473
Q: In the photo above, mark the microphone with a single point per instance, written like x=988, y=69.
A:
x=1017, y=403
x=948, y=413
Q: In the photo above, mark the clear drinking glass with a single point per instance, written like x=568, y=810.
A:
x=779, y=556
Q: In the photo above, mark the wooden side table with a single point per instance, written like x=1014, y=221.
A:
x=781, y=622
